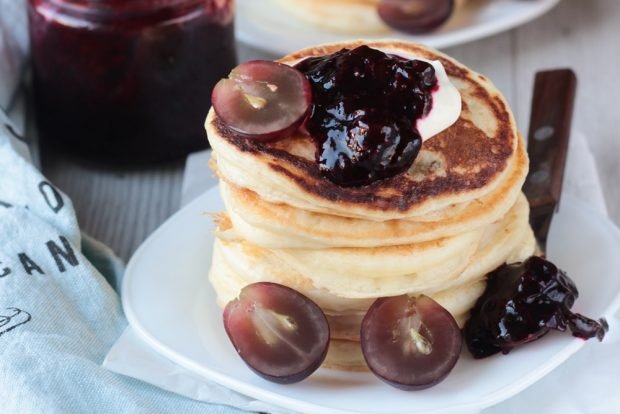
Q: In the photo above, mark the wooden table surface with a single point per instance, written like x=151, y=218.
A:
x=121, y=207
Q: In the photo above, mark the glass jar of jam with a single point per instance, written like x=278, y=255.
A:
x=128, y=80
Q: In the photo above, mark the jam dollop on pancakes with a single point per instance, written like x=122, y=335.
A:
x=365, y=105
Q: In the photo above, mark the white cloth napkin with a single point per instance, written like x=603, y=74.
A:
x=58, y=313
x=585, y=384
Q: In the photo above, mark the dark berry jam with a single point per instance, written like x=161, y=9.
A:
x=365, y=107
x=521, y=303
x=128, y=80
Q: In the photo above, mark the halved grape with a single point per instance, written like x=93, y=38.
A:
x=262, y=100
x=411, y=343
x=415, y=16
x=281, y=334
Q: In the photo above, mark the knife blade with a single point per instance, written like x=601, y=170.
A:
x=547, y=147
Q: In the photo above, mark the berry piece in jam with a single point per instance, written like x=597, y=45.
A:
x=522, y=302
x=364, y=112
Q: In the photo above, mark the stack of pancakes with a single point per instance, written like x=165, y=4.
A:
x=342, y=16
x=436, y=229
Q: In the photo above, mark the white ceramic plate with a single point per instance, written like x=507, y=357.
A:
x=169, y=302
x=262, y=24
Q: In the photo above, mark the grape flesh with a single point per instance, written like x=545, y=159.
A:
x=279, y=333
x=411, y=343
x=262, y=100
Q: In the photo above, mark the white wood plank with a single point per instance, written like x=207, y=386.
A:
x=585, y=36
x=494, y=58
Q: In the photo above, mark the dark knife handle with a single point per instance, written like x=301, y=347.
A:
x=547, y=145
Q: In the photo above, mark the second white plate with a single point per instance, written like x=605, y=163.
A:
x=262, y=24
x=168, y=301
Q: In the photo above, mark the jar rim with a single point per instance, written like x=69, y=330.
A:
x=119, y=11
x=132, y=6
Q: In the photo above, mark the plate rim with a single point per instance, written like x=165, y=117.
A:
x=287, y=402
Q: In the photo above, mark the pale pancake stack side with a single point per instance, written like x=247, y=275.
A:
x=436, y=229
x=353, y=17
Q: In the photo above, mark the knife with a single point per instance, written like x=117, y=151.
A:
x=547, y=146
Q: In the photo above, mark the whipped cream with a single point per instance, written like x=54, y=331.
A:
x=446, y=105
x=446, y=100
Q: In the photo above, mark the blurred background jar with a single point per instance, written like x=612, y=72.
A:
x=128, y=80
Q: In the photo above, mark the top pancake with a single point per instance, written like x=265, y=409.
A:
x=464, y=162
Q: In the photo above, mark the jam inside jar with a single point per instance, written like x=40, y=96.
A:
x=128, y=80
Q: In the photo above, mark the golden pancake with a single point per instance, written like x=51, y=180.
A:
x=353, y=17
x=238, y=263
x=278, y=225
x=339, y=271
x=345, y=355
x=462, y=163
x=340, y=16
